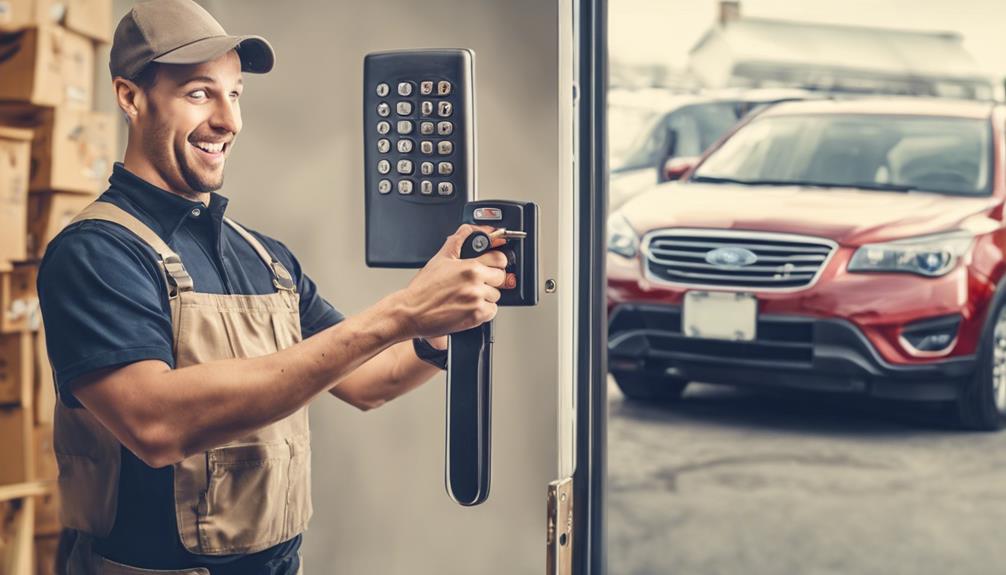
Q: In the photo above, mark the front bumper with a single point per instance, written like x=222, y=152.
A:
x=789, y=351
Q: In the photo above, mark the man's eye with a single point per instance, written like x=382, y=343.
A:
x=198, y=94
x=235, y=95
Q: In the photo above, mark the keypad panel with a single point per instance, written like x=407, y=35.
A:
x=424, y=111
x=419, y=136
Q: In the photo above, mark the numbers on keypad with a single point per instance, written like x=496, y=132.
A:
x=416, y=99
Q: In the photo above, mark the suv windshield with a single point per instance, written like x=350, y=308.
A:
x=694, y=128
x=898, y=153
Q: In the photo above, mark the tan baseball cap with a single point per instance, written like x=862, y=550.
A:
x=179, y=32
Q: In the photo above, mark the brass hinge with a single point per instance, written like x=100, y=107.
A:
x=559, y=545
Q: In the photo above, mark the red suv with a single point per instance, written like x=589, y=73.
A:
x=843, y=246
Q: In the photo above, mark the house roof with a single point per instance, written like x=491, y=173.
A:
x=915, y=106
x=884, y=51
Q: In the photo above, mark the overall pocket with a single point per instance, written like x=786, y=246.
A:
x=252, y=492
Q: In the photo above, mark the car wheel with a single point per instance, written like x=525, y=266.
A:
x=642, y=387
x=982, y=404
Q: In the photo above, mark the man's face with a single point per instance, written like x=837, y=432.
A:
x=191, y=121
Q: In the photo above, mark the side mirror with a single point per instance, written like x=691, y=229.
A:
x=675, y=168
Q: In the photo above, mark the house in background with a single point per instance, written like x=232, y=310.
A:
x=763, y=53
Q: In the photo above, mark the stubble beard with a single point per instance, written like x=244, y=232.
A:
x=159, y=151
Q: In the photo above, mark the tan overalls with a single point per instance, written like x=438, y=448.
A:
x=242, y=497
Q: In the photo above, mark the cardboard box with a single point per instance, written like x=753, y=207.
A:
x=17, y=452
x=71, y=151
x=47, y=512
x=17, y=358
x=45, y=457
x=15, y=154
x=48, y=214
x=46, y=550
x=44, y=401
x=47, y=66
x=18, y=299
x=91, y=18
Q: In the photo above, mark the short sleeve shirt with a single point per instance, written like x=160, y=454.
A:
x=104, y=304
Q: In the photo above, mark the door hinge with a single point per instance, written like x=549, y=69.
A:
x=559, y=542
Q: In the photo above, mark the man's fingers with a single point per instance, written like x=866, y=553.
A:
x=493, y=276
x=454, y=242
x=493, y=259
x=492, y=295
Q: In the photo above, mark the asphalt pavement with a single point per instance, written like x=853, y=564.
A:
x=737, y=481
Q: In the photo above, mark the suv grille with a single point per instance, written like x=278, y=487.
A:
x=780, y=261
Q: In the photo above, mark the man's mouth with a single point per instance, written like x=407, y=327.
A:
x=212, y=151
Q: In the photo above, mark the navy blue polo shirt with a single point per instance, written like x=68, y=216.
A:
x=104, y=304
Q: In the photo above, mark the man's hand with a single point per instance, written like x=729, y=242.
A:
x=451, y=294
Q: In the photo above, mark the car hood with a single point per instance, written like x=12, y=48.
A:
x=845, y=215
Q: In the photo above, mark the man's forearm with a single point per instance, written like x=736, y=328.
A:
x=394, y=372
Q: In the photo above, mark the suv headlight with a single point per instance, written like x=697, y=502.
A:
x=929, y=256
x=622, y=239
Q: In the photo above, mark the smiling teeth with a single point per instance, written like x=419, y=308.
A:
x=211, y=148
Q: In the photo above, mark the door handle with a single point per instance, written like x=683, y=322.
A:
x=469, y=401
x=469, y=352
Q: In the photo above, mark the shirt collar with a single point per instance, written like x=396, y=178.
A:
x=166, y=209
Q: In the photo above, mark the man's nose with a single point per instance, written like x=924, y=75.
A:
x=226, y=116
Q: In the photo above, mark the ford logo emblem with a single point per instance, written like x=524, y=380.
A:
x=731, y=257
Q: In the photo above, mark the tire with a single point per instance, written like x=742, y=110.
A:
x=982, y=403
x=642, y=387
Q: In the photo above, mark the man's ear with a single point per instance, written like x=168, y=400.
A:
x=129, y=96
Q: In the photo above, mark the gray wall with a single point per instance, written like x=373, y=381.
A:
x=296, y=174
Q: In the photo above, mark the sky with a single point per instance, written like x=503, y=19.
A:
x=662, y=31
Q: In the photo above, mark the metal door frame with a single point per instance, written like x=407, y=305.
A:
x=589, y=535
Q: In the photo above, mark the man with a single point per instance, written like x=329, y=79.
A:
x=186, y=348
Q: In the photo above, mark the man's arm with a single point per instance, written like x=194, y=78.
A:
x=394, y=372
x=164, y=415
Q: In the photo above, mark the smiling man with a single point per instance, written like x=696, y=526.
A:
x=186, y=348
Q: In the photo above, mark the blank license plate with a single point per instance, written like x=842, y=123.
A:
x=720, y=315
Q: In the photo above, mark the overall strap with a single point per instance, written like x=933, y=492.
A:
x=177, y=278
x=281, y=278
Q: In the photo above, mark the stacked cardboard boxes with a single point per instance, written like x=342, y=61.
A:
x=56, y=153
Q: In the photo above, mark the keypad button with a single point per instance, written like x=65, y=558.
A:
x=405, y=88
x=426, y=109
x=426, y=187
x=445, y=148
x=426, y=168
x=426, y=87
x=405, y=186
x=427, y=128
x=383, y=110
x=444, y=109
x=404, y=167
x=445, y=168
x=383, y=127
x=384, y=186
x=383, y=89
x=445, y=128
x=403, y=108
x=426, y=147
x=383, y=146
x=404, y=127
x=384, y=166
x=443, y=88
x=445, y=188
x=405, y=146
